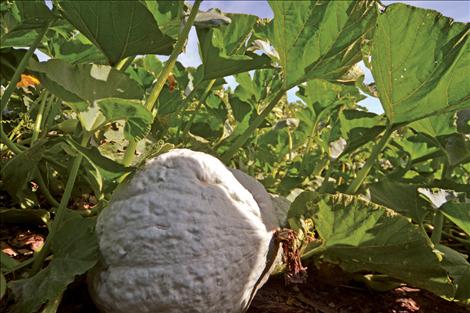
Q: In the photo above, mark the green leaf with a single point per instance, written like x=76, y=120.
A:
x=75, y=252
x=88, y=82
x=321, y=94
x=459, y=214
x=403, y=198
x=459, y=269
x=224, y=51
x=66, y=44
x=22, y=22
x=168, y=15
x=434, y=126
x=319, y=39
x=419, y=61
x=138, y=118
x=360, y=127
x=3, y=285
x=24, y=216
x=463, y=121
x=301, y=208
x=7, y=263
x=457, y=149
x=105, y=172
x=362, y=236
x=20, y=170
x=119, y=29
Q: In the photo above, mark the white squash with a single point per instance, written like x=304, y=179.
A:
x=184, y=235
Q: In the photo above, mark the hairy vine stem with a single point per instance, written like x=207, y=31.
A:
x=240, y=141
x=60, y=213
x=156, y=90
x=361, y=176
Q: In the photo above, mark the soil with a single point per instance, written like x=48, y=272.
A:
x=326, y=290
x=316, y=296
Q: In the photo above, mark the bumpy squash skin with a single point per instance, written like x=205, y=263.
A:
x=183, y=236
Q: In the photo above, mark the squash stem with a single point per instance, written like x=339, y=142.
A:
x=361, y=176
x=60, y=213
x=19, y=70
x=12, y=85
x=201, y=101
x=152, y=99
x=438, y=223
x=39, y=117
x=240, y=141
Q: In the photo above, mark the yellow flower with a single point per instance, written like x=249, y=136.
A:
x=27, y=80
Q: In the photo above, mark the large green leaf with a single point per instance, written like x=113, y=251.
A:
x=168, y=15
x=20, y=170
x=419, y=61
x=400, y=197
x=88, y=82
x=359, y=127
x=118, y=28
x=459, y=269
x=224, y=50
x=22, y=22
x=438, y=125
x=459, y=213
x=138, y=118
x=104, y=173
x=66, y=44
x=75, y=252
x=319, y=39
x=362, y=236
x=321, y=94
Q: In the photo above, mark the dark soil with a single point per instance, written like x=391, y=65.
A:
x=328, y=290
x=316, y=296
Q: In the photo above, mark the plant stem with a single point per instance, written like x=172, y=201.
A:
x=240, y=141
x=16, y=76
x=7, y=141
x=37, y=124
x=438, y=223
x=201, y=101
x=312, y=134
x=45, y=191
x=130, y=152
x=327, y=176
x=124, y=63
x=361, y=176
x=60, y=213
x=152, y=99
x=12, y=85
